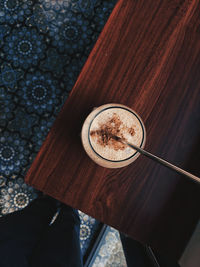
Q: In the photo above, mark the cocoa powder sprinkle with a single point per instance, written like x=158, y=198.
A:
x=108, y=132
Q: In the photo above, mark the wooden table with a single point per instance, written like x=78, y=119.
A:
x=148, y=58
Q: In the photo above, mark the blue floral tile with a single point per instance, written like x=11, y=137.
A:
x=110, y=252
x=23, y=123
x=14, y=153
x=4, y=30
x=7, y=106
x=17, y=195
x=40, y=18
x=9, y=76
x=14, y=10
x=70, y=32
x=86, y=7
x=55, y=63
x=102, y=13
x=24, y=47
x=55, y=5
x=39, y=93
x=71, y=72
x=40, y=131
x=88, y=228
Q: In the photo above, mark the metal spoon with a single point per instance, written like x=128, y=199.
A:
x=159, y=160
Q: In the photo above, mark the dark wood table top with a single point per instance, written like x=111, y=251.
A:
x=148, y=58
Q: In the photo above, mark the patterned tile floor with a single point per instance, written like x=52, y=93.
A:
x=43, y=46
x=110, y=252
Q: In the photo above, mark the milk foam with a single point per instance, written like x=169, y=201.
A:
x=129, y=120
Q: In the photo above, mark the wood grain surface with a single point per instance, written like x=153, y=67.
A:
x=148, y=58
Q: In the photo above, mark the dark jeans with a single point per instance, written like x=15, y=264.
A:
x=27, y=239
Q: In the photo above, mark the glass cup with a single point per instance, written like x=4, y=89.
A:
x=101, y=127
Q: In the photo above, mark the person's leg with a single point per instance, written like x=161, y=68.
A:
x=21, y=230
x=60, y=244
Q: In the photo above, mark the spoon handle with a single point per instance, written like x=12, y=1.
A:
x=164, y=162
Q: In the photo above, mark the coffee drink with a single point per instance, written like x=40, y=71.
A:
x=102, y=130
